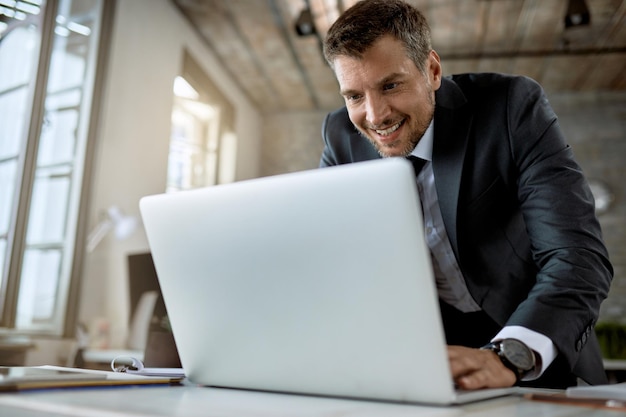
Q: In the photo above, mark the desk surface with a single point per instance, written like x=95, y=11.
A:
x=192, y=401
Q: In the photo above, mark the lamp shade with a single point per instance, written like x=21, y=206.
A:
x=114, y=219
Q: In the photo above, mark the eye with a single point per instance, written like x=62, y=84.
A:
x=352, y=97
x=389, y=86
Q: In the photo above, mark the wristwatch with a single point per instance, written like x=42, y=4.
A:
x=515, y=355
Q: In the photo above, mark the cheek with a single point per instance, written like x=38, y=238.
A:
x=411, y=101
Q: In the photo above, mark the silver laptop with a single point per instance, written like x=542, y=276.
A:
x=315, y=282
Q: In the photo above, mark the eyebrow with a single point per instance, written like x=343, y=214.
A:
x=386, y=80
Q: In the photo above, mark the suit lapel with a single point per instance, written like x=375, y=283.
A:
x=452, y=126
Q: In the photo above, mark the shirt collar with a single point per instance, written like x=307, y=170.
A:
x=424, y=148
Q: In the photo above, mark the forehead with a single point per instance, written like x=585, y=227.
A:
x=385, y=58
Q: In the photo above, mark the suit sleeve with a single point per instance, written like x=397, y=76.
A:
x=328, y=154
x=558, y=208
x=343, y=144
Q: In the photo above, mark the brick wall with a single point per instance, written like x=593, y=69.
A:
x=594, y=124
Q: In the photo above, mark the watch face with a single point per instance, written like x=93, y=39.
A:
x=518, y=354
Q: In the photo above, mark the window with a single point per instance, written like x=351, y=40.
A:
x=202, y=142
x=48, y=55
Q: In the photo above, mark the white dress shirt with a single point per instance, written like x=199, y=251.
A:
x=451, y=285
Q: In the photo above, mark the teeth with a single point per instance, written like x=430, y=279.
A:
x=390, y=130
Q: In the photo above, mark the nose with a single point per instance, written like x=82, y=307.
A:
x=377, y=110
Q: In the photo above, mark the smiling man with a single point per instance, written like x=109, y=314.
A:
x=389, y=99
x=517, y=250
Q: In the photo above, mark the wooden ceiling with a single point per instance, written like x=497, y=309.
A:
x=281, y=71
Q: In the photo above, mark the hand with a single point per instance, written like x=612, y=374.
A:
x=475, y=369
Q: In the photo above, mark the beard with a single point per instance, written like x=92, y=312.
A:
x=404, y=145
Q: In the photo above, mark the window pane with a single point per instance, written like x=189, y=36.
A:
x=38, y=287
x=48, y=209
x=186, y=127
x=12, y=121
x=193, y=144
x=7, y=186
x=19, y=47
x=3, y=254
x=66, y=69
x=58, y=137
x=181, y=165
x=18, y=52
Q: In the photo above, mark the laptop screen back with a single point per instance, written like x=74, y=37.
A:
x=314, y=282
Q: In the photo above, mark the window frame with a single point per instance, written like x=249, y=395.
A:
x=73, y=241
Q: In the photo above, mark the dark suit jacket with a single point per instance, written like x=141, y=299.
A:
x=516, y=207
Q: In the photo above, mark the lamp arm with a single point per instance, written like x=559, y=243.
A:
x=98, y=233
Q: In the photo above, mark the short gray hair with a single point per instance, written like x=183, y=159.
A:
x=359, y=27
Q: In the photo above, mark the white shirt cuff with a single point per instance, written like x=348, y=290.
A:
x=544, y=349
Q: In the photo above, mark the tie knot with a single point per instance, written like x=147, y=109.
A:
x=418, y=163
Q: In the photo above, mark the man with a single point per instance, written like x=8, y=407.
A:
x=509, y=218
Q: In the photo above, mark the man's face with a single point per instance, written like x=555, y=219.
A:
x=389, y=100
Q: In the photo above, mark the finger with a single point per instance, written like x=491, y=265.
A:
x=486, y=378
x=463, y=360
x=474, y=369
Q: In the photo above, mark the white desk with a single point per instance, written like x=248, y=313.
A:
x=191, y=401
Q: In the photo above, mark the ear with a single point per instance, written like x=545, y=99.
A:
x=434, y=70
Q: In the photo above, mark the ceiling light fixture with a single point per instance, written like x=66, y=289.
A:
x=577, y=14
x=305, y=25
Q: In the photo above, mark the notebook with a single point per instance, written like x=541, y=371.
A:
x=315, y=282
x=23, y=378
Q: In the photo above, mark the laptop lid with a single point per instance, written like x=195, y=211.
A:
x=315, y=282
